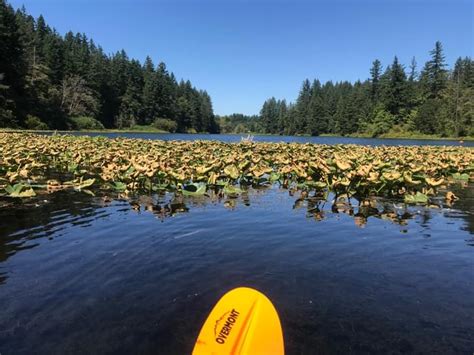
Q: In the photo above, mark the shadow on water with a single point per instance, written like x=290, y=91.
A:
x=108, y=274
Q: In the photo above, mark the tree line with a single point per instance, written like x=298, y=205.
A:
x=66, y=82
x=393, y=100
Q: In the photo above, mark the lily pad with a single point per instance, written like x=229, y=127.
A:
x=416, y=198
x=194, y=190
x=461, y=177
x=232, y=171
x=232, y=190
x=20, y=190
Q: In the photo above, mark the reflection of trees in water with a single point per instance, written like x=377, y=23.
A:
x=318, y=207
x=466, y=205
x=25, y=220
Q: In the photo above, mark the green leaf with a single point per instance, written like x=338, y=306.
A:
x=232, y=171
x=20, y=190
x=84, y=183
x=232, y=190
x=461, y=177
x=29, y=192
x=72, y=167
x=119, y=186
x=316, y=184
x=274, y=177
x=416, y=198
x=157, y=187
x=194, y=189
x=89, y=192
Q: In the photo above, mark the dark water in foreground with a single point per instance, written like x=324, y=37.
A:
x=232, y=138
x=84, y=275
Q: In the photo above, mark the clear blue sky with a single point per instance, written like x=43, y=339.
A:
x=245, y=51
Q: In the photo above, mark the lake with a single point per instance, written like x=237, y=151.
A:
x=232, y=138
x=94, y=275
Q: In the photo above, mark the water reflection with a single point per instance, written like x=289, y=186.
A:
x=236, y=138
x=22, y=222
x=116, y=273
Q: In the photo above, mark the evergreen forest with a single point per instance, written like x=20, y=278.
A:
x=394, y=99
x=49, y=81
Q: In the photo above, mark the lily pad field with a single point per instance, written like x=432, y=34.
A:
x=121, y=245
x=33, y=164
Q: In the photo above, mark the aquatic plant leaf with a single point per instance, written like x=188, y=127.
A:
x=232, y=171
x=342, y=165
x=391, y=176
x=416, y=198
x=433, y=182
x=450, y=196
x=20, y=190
x=274, y=177
x=194, y=190
x=232, y=190
x=461, y=177
x=84, y=183
x=201, y=170
x=72, y=167
x=408, y=178
x=89, y=192
x=119, y=186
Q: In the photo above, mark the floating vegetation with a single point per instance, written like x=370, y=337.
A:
x=32, y=164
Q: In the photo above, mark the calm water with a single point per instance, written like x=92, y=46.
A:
x=230, y=138
x=85, y=275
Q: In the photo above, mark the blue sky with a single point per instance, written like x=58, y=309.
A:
x=244, y=51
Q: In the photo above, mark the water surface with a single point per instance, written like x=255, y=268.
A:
x=233, y=138
x=85, y=275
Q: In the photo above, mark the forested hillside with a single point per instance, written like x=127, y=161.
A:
x=67, y=82
x=393, y=100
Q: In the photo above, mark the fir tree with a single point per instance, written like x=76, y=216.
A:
x=434, y=75
x=302, y=107
x=375, y=73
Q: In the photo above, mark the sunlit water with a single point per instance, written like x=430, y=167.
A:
x=233, y=138
x=85, y=275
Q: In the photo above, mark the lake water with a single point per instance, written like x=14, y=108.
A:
x=94, y=275
x=232, y=138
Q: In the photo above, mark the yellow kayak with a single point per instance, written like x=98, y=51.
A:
x=244, y=321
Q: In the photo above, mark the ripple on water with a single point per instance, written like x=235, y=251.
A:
x=95, y=277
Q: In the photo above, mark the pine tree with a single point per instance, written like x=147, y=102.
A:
x=270, y=116
x=166, y=93
x=131, y=104
x=302, y=107
x=316, y=114
x=149, y=112
x=208, y=119
x=434, y=75
x=395, y=91
x=457, y=113
x=433, y=80
x=375, y=74
x=413, y=73
x=282, y=116
x=12, y=68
